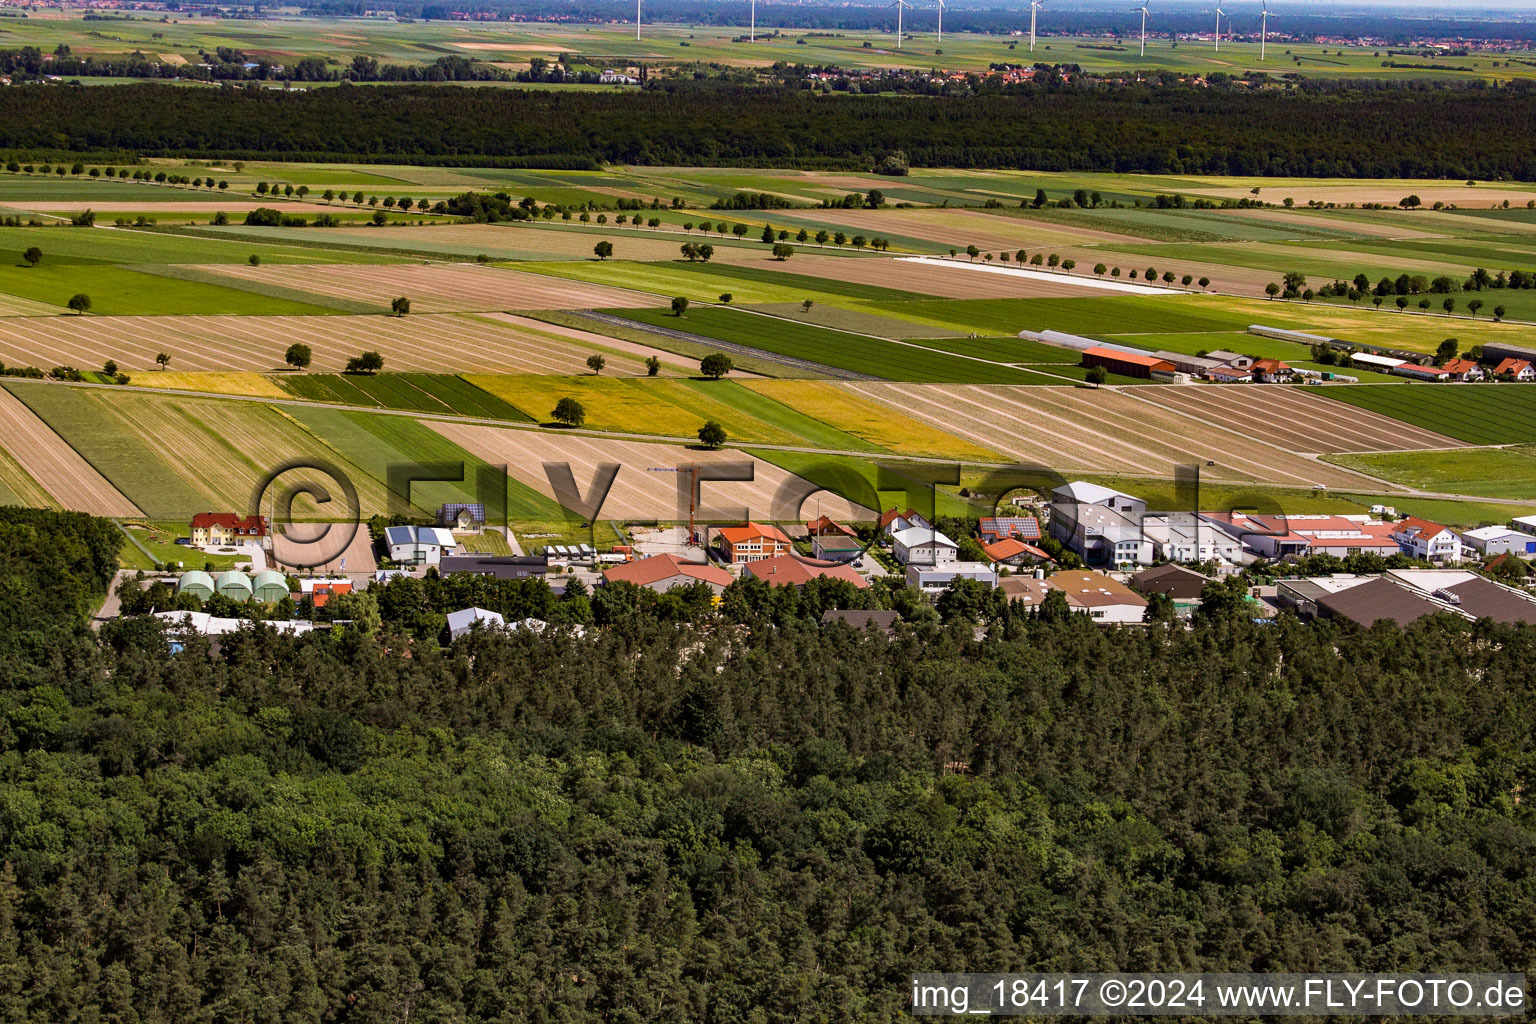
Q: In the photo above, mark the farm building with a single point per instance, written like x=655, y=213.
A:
x=320, y=590
x=466, y=517
x=418, y=545
x=1103, y=599
x=1271, y=371
x=466, y=619
x=269, y=585
x=933, y=578
x=836, y=548
x=1380, y=598
x=225, y=529
x=1225, y=374
x=826, y=526
x=1464, y=369
x=1504, y=350
x=234, y=585
x=501, y=567
x=753, y=542
x=197, y=583
x=923, y=545
x=1013, y=552
x=1519, y=369
x=1372, y=361
x=787, y=570
x=1499, y=540
x=1419, y=538
x=1127, y=364
x=663, y=572
x=1197, y=366
x=1434, y=373
x=995, y=528
x=1081, y=492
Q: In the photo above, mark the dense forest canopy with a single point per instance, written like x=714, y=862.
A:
x=679, y=821
x=1480, y=133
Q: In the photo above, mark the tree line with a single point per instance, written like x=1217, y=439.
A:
x=667, y=819
x=1343, y=132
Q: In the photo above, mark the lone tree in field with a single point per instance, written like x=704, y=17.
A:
x=80, y=303
x=712, y=435
x=716, y=365
x=679, y=305
x=569, y=412
x=33, y=256
x=163, y=359
x=806, y=304
x=254, y=260
x=602, y=250
x=369, y=362
x=298, y=356
x=400, y=306
x=1100, y=269
x=972, y=252
x=1096, y=375
x=1205, y=282
x=595, y=363
x=783, y=251
x=652, y=366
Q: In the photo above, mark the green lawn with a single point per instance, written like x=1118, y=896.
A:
x=1475, y=413
x=1485, y=472
x=120, y=291
x=840, y=349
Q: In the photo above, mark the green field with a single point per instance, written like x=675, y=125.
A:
x=121, y=291
x=374, y=443
x=416, y=392
x=1487, y=472
x=1475, y=413
x=860, y=354
x=62, y=245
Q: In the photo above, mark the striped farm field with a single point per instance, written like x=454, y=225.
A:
x=1101, y=431
x=48, y=462
x=417, y=392
x=1474, y=413
x=206, y=382
x=438, y=287
x=15, y=305
x=1296, y=419
x=637, y=492
x=858, y=353
x=173, y=456
x=256, y=344
x=873, y=422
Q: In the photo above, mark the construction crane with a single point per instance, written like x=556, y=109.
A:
x=692, y=469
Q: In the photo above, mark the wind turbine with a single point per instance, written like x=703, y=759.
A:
x=1264, y=30
x=1219, y=13
x=941, y=22
x=1034, y=6
x=752, y=32
x=637, y=21
x=899, y=4
x=1143, y=10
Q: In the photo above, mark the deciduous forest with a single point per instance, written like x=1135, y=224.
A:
x=1329, y=129
x=702, y=821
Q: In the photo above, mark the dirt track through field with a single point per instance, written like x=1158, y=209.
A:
x=438, y=287
x=639, y=493
x=49, y=460
x=437, y=343
x=930, y=279
x=1100, y=430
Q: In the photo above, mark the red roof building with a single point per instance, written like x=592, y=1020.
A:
x=224, y=529
x=1516, y=368
x=787, y=570
x=753, y=543
x=663, y=572
x=826, y=526
x=1012, y=551
x=1127, y=364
